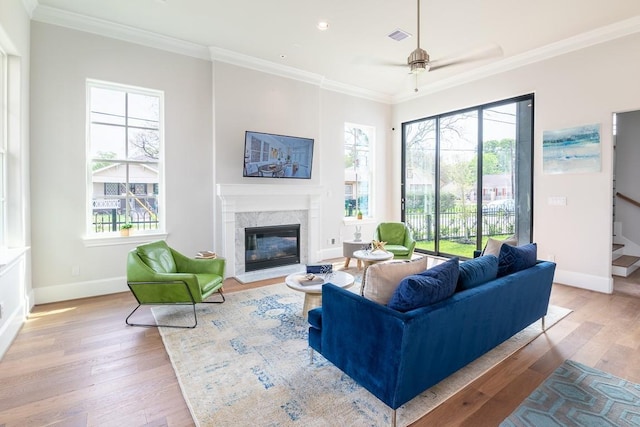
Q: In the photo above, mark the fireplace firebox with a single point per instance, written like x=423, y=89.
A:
x=273, y=246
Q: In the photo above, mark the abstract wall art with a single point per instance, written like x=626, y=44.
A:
x=571, y=150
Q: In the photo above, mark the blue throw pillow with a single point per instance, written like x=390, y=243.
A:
x=431, y=286
x=477, y=271
x=516, y=258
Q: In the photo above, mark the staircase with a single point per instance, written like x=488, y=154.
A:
x=623, y=265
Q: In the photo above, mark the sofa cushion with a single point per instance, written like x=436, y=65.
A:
x=157, y=256
x=429, y=287
x=493, y=245
x=516, y=258
x=477, y=271
x=383, y=278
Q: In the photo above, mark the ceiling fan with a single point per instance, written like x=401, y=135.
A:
x=419, y=60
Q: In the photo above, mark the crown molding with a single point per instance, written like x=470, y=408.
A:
x=251, y=62
x=76, y=21
x=581, y=41
x=30, y=6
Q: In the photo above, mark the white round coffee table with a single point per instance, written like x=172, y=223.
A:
x=369, y=257
x=313, y=293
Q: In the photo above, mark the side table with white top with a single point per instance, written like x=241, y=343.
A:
x=369, y=257
x=313, y=293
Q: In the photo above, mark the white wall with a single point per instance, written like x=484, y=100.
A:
x=581, y=87
x=15, y=277
x=62, y=60
x=251, y=100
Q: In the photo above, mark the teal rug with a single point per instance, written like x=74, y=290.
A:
x=577, y=395
x=247, y=364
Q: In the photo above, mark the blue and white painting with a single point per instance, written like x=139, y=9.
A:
x=571, y=150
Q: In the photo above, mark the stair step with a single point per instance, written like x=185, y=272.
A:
x=617, y=246
x=625, y=261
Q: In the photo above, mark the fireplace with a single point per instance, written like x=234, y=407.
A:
x=272, y=246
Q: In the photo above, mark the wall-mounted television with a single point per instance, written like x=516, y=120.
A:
x=268, y=155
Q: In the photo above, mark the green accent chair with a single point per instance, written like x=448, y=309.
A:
x=398, y=237
x=158, y=274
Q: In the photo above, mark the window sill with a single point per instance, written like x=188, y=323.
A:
x=355, y=221
x=117, y=239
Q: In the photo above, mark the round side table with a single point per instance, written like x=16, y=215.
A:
x=351, y=246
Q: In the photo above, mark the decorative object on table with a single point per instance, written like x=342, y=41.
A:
x=576, y=395
x=377, y=245
x=206, y=255
x=358, y=234
x=571, y=150
x=125, y=229
x=309, y=279
x=319, y=268
x=258, y=339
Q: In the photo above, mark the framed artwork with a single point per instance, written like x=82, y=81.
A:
x=571, y=150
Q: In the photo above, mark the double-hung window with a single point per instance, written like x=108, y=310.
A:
x=125, y=158
x=358, y=144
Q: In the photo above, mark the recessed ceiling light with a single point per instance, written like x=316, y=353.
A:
x=283, y=56
x=323, y=25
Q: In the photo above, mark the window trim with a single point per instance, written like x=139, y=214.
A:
x=92, y=238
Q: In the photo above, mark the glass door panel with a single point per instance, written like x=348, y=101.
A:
x=458, y=148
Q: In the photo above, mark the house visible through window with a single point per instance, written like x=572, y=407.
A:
x=358, y=143
x=125, y=158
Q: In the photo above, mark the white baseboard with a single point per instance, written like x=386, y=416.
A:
x=77, y=290
x=584, y=281
x=10, y=329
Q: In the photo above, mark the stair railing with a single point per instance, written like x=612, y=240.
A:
x=628, y=199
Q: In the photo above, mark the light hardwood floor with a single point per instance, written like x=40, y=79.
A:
x=76, y=363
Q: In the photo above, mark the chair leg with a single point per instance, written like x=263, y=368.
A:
x=310, y=356
x=156, y=325
x=393, y=418
x=223, y=299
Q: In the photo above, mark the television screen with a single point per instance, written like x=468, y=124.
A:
x=277, y=156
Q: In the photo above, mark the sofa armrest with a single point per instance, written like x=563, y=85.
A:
x=360, y=336
x=185, y=264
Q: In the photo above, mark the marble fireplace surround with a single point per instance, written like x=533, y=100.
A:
x=255, y=205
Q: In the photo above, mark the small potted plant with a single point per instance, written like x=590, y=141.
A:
x=359, y=214
x=124, y=229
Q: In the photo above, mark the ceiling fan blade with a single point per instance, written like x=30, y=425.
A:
x=485, y=52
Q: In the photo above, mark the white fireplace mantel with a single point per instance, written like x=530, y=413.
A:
x=268, y=202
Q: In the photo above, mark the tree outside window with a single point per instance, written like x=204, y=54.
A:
x=358, y=143
x=125, y=154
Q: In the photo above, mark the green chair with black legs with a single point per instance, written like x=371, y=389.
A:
x=398, y=237
x=160, y=275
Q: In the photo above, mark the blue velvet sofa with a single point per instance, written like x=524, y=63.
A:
x=398, y=355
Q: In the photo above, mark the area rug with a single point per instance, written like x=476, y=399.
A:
x=577, y=395
x=247, y=363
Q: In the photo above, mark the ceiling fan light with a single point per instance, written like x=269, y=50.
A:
x=418, y=67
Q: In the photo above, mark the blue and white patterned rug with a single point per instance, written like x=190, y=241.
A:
x=577, y=395
x=247, y=363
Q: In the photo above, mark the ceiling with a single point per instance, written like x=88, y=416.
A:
x=355, y=52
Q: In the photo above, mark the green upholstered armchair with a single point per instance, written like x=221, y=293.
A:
x=158, y=274
x=398, y=237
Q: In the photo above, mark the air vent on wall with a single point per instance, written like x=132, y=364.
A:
x=399, y=35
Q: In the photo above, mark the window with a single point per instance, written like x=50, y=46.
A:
x=467, y=176
x=358, y=143
x=125, y=153
x=3, y=146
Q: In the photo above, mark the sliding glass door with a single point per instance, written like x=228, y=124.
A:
x=467, y=177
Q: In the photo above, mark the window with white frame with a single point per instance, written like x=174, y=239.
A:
x=358, y=145
x=3, y=146
x=125, y=157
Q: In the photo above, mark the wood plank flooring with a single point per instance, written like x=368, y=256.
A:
x=76, y=363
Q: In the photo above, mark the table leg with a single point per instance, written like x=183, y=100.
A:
x=311, y=301
x=346, y=262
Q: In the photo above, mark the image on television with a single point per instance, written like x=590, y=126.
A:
x=268, y=155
